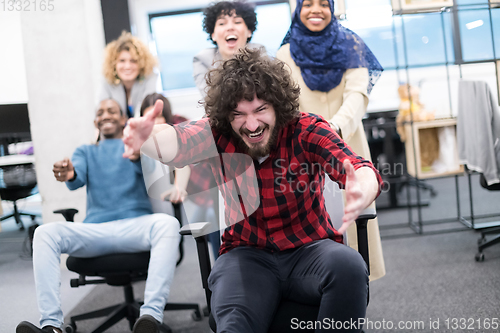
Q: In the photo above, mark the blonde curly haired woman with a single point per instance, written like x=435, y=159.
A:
x=129, y=73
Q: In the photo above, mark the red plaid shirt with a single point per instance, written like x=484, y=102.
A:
x=279, y=204
x=201, y=178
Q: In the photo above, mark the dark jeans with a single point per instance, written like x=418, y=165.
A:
x=247, y=284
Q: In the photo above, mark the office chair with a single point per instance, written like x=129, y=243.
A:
x=477, y=134
x=14, y=193
x=287, y=309
x=482, y=242
x=120, y=269
x=387, y=149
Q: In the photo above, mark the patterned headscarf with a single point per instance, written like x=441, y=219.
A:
x=324, y=56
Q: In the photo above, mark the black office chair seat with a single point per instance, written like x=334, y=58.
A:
x=117, y=269
x=14, y=193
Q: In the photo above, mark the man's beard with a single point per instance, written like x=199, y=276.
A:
x=256, y=151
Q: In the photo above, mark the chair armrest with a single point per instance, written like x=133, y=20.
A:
x=362, y=232
x=68, y=213
x=195, y=229
x=368, y=214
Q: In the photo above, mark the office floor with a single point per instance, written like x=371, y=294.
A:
x=17, y=289
x=430, y=277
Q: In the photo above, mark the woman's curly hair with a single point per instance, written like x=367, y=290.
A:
x=248, y=74
x=240, y=8
x=137, y=49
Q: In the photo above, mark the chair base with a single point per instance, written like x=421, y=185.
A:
x=129, y=309
x=196, y=315
x=16, y=214
x=483, y=243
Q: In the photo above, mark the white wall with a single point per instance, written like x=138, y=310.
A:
x=63, y=57
x=13, y=86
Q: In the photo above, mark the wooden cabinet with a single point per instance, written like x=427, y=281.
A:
x=426, y=150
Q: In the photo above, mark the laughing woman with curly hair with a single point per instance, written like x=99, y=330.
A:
x=128, y=72
x=230, y=26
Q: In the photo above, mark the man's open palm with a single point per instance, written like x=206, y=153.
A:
x=138, y=130
x=354, y=197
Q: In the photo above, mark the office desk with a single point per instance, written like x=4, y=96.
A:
x=10, y=160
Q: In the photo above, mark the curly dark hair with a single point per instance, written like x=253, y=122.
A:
x=250, y=73
x=150, y=100
x=240, y=8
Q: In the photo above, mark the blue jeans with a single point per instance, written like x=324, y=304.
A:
x=158, y=233
x=248, y=284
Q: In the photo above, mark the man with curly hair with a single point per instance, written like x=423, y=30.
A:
x=270, y=162
x=230, y=26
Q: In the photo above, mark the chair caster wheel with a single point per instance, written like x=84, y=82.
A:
x=196, y=316
x=70, y=328
x=480, y=256
x=480, y=240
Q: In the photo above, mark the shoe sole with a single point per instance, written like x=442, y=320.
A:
x=25, y=327
x=146, y=326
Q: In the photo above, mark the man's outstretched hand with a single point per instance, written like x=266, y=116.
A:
x=63, y=170
x=357, y=195
x=138, y=130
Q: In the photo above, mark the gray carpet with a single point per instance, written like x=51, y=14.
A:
x=435, y=277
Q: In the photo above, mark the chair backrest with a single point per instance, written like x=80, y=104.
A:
x=484, y=184
x=334, y=202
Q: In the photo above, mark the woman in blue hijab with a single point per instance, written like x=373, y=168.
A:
x=336, y=72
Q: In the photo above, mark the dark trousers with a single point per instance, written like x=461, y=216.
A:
x=247, y=285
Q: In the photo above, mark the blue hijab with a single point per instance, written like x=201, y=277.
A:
x=324, y=56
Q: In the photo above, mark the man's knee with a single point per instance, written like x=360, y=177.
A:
x=166, y=225
x=348, y=267
x=47, y=234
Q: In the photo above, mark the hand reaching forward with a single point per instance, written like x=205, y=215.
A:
x=355, y=198
x=174, y=195
x=138, y=130
x=63, y=170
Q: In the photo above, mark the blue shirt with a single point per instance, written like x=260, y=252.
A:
x=115, y=185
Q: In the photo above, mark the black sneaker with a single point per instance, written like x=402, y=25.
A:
x=27, y=327
x=146, y=324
